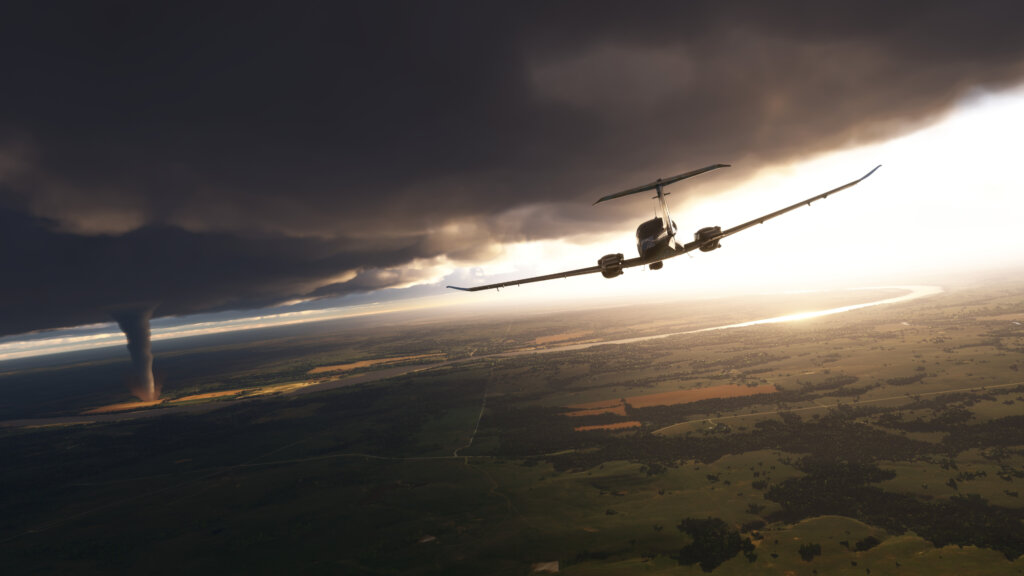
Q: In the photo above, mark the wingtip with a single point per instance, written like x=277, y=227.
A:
x=872, y=171
x=458, y=288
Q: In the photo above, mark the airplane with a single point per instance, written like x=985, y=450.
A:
x=656, y=238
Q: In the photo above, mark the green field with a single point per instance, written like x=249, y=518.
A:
x=889, y=440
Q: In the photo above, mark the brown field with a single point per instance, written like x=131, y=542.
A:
x=605, y=407
x=367, y=363
x=615, y=426
x=209, y=395
x=1013, y=317
x=540, y=340
x=283, y=388
x=250, y=392
x=695, y=394
x=666, y=399
x=596, y=405
x=122, y=407
x=237, y=392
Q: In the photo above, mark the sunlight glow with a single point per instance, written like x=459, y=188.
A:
x=112, y=336
x=948, y=197
x=915, y=293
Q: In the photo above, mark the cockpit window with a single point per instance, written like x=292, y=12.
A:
x=650, y=228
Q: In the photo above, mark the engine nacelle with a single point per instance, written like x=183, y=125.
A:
x=611, y=265
x=705, y=234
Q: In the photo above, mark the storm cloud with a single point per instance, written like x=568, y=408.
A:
x=226, y=156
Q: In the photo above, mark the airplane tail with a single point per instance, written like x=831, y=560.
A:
x=659, y=185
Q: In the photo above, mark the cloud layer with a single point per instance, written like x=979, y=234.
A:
x=240, y=155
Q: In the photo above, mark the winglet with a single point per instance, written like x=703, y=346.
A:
x=870, y=173
x=458, y=288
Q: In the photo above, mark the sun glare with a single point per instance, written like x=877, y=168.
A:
x=948, y=197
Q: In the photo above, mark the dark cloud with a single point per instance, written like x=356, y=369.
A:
x=235, y=155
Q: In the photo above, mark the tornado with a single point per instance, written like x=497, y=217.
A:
x=135, y=325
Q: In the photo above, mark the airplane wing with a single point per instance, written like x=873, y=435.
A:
x=715, y=238
x=707, y=240
x=591, y=270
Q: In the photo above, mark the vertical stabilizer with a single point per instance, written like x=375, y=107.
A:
x=670, y=226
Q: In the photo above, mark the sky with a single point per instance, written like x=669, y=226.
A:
x=207, y=158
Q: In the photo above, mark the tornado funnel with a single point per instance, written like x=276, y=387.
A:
x=135, y=325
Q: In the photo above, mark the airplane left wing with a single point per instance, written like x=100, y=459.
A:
x=580, y=272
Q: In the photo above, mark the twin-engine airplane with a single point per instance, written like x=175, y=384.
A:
x=656, y=238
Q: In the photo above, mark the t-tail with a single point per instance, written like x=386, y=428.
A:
x=658, y=186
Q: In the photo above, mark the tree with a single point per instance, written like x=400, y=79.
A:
x=809, y=551
x=713, y=543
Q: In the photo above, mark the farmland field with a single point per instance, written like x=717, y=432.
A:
x=882, y=440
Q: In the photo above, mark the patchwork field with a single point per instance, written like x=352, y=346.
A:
x=347, y=367
x=883, y=440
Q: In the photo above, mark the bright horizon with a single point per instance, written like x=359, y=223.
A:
x=948, y=196
x=946, y=201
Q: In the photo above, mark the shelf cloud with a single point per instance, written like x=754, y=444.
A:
x=238, y=155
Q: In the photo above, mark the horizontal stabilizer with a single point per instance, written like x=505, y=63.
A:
x=662, y=182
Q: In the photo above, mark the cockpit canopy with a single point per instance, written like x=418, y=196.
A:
x=653, y=227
